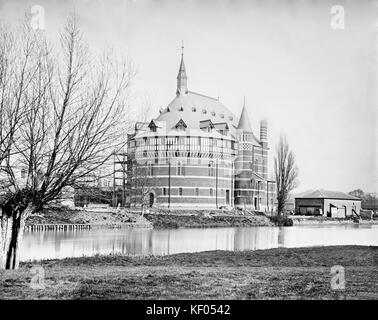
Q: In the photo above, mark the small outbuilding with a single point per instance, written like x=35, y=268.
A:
x=327, y=203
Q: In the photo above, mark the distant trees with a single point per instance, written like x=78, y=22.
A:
x=368, y=200
x=357, y=193
x=286, y=173
x=61, y=118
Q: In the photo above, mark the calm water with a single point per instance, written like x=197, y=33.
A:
x=61, y=244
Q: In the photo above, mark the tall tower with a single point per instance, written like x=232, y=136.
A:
x=182, y=86
x=243, y=163
x=251, y=165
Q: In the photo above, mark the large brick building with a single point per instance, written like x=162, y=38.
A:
x=197, y=153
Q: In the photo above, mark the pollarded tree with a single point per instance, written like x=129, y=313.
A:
x=286, y=173
x=74, y=106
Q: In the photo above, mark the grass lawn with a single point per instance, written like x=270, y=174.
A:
x=301, y=273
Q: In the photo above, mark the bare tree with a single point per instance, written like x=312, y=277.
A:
x=286, y=172
x=74, y=120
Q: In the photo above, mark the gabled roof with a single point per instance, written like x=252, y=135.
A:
x=257, y=177
x=326, y=194
x=221, y=126
x=141, y=126
x=244, y=123
x=154, y=123
x=206, y=123
x=181, y=123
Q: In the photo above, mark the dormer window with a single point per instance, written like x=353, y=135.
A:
x=168, y=109
x=152, y=126
x=204, y=111
x=213, y=114
x=221, y=115
x=230, y=118
x=194, y=109
x=206, y=125
x=181, y=109
x=181, y=125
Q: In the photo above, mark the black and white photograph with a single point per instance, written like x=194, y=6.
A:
x=188, y=150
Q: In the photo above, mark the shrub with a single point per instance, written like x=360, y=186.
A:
x=282, y=221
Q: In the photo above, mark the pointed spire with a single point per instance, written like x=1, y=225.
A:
x=182, y=87
x=244, y=123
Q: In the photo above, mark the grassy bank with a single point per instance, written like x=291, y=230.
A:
x=159, y=218
x=206, y=220
x=103, y=217
x=302, y=273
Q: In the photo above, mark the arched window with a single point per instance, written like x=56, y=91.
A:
x=211, y=169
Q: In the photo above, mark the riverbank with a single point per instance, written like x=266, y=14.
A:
x=206, y=219
x=300, y=273
x=166, y=219
x=170, y=219
x=315, y=220
x=105, y=217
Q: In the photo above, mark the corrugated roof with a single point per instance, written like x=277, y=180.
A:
x=326, y=194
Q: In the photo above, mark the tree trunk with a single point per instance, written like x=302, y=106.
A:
x=12, y=225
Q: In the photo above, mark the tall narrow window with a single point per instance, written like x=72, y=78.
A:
x=211, y=169
x=180, y=168
x=150, y=169
x=164, y=191
x=211, y=192
x=180, y=191
x=197, y=192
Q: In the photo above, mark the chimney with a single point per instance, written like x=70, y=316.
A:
x=264, y=133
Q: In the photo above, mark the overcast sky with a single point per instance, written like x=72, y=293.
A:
x=315, y=84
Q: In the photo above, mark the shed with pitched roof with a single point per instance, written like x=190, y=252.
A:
x=327, y=203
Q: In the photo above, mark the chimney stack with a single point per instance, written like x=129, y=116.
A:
x=264, y=131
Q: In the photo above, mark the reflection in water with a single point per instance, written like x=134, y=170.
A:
x=76, y=243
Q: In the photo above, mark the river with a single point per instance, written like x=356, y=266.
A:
x=136, y=241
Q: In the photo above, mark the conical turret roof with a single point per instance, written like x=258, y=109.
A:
x=244, y=123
